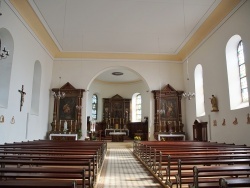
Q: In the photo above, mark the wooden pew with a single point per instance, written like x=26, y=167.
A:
x=155, y=153
x=42, y=173
x=37, y=183
x=51, y=153
x=234, y=182
x=215, y=172
x=88, y=176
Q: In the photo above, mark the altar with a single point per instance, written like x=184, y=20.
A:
x=165, y=136
x=108, y=131
x=117, y=136
x=63, y=136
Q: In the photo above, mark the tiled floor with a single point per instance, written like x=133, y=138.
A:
x=121, y=169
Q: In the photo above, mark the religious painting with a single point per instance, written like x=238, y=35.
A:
x=169, y=107
x=67, y=108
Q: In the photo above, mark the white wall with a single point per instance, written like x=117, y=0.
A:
x=211, y=55
x=26, y=51
x=81, y=74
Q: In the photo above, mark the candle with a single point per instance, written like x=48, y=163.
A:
x=120, y=120
x=71, y=122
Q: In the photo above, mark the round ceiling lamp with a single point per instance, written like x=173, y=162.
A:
x=117, y=73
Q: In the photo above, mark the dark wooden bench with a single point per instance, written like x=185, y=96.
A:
x=45, y=173
x=234, y=182
x=154, y=156
x=56, y=154
x=37, y=183
x=215, y=172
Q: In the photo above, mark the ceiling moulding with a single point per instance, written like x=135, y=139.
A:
x=25, y=10
x=30, y=17
x=213, y=20
x=129, y=56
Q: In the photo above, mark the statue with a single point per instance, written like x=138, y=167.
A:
x=214, y=104
x=65, y=128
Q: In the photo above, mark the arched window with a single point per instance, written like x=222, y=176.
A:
x=94, y=106
x=35, y=100
x=237, y=78
x=242, y=72
x=7, y=43
x=136, y=107
x=199, y=91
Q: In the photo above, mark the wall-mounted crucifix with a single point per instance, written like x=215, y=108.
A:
x=22, y=98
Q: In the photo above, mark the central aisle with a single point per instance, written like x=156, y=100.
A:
x=121, y=169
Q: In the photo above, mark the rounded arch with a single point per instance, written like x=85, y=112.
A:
x=37, y=74
x=233, y=73
x=116, y=68
x=7, y=42
x=107, y=89
x=199, y=91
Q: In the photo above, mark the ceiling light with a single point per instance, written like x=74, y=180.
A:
x=117, y=73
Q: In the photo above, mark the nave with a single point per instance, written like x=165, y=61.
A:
x=122, y=169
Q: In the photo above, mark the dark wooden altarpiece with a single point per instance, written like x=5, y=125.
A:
x=65, y=110
x=116, y=112
x=116, y=117
x=167, y=112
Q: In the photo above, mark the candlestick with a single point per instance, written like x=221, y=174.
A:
x=55, y=126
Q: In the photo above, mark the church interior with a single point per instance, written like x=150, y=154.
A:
x=120, y=79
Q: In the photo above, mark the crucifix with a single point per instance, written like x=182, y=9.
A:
x=22, y=98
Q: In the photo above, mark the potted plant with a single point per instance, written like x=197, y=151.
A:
x=137, y=138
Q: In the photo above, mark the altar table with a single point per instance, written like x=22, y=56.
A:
x=107, y=131
x=171, y=136
x=117, y=136
x=63, y=136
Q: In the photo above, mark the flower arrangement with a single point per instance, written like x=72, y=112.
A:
x=79, y=134
x=137, y=138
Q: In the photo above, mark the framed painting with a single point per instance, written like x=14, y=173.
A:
x=170, y=107
x=67, y=108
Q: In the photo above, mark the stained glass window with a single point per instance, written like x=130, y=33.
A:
x=94, y=106
x=138, y=107
x=242, y=70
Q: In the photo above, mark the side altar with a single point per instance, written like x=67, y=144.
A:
x=167, y=114
x=67, y=111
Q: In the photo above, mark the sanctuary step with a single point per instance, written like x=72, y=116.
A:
x=109, y=138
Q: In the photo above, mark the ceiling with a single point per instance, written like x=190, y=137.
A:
x=122, y=29
x=122, y=26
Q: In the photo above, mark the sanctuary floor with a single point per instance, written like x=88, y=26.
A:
x=122, y=169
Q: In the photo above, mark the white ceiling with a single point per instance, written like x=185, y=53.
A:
x=122, y=26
